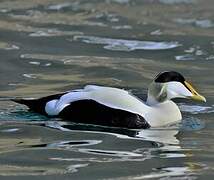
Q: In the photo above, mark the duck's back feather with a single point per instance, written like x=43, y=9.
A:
x=110, y=97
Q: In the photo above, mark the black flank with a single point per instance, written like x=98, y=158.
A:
x=91, y=112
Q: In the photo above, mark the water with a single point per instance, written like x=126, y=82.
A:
x=50, y=46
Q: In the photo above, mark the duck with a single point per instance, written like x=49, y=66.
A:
x=110, y=106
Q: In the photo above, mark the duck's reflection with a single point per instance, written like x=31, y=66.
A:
x=165, y=136
x=162, y=135
x=162, y=144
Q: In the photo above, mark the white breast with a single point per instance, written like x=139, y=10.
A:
x=163, y=114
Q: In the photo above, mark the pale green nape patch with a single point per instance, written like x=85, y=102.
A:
x=157, y=93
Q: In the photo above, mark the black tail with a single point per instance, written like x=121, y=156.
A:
x=26, y=102
x=35, y=105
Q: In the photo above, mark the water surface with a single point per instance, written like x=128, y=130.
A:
x=50, y=46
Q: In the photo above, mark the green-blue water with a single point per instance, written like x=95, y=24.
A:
x=50, y=46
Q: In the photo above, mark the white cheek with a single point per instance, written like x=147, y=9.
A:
x=176, y=90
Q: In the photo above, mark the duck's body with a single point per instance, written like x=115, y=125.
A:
x=111, y=106
x=93, y=105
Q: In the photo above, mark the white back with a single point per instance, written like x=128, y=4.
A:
x=111, y=97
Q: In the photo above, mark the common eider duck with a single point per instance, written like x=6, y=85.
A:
x=115, y=107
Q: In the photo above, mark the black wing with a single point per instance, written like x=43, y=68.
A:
x=92, y=112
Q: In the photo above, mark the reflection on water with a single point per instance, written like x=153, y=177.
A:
x=196, y=109
x=170, y=171
x=89, y=145
x=205, y=23
x=50, y=46
x=7, y=46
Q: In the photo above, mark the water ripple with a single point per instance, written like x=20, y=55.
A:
x=196, y=109
x=8, y=46
x=69, y=144
x=171, y=2
x=119, y=1
x=10, y=130
x=122, y=27
x=166, y=172
x=59, y=6
x=193, y=53
x=126, y=45
x=30, y=76
x=52, y=32
x=204, y=23
x=15, y=113
x=185, y=57
x=74, y=168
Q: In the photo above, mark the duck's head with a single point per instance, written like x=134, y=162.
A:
x=170, y=84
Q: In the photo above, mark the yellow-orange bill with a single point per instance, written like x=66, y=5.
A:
x=195, y=95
